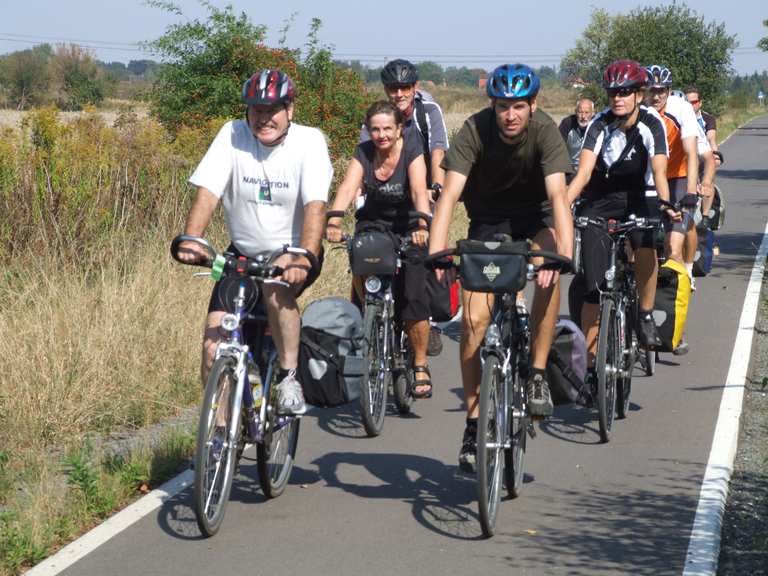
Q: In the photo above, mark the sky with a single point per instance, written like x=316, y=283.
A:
x=482, y=34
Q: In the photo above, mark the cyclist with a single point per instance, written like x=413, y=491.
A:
x=391, y=171
x=401, y=83
x=705, y=119
x=683, y=165
x=510, y=162
x=272, y=177
x=574, y=127
x=622, y=171
x=708, y=124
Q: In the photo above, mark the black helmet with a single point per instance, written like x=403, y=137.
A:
x=399, y=72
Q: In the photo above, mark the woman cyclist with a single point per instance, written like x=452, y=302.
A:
x=391, y=171
x=622, y=171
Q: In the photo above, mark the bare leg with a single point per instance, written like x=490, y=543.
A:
x=285, y=322
x=474, y=320
x=418, y=336
x=647, y=268
x=590, y=314
x=546, y=304
x=211, y=338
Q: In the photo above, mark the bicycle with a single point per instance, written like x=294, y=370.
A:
x=504, y=421
x=389, y=356
x=233, y=412
x=617, y=344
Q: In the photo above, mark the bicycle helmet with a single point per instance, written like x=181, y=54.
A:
x=679, y=94
x=512, y=81
x=624, y=74
x=269, y=87
x=659, y=76
x=399, y=72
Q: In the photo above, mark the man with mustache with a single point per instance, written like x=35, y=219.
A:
x=272, y=177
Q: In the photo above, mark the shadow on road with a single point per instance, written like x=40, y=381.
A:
x=442, y=500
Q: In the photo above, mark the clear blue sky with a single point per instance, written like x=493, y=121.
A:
x=468, y=33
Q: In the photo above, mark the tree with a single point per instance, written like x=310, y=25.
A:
x=430, y=71
x=76, y=78
x=698, y=53
x=673, y=36
x=205, y=62
x=24, y=76
x=763, y=42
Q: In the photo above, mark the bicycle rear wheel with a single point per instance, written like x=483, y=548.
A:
x=514, y=456
x=490, y=441
x=607, y=365
x=374, y=397
x=216, y=456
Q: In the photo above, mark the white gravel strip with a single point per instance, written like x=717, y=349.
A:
x=704, y=545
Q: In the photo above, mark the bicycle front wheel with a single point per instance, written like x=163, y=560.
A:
x=607, y=366
x=490, y=443
x=374, y=397
x=276, y=453
x=216, y=456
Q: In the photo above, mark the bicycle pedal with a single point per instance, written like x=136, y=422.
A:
x=531, y=428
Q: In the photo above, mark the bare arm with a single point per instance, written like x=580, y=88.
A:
x=417, y=178
x=692, y=155
x=441, y=222
x=708, y=182
x=587, y=161
x=314, y=224
x=200, y=214
x=556, y=191
x=438, y=174
x=712, y=139
x=345, y=195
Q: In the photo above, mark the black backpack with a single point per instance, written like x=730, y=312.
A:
x=331, y=352
x=420, y=116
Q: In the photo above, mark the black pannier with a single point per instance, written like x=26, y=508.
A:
x=373, y=252
x=497, y=267
x=331, y=352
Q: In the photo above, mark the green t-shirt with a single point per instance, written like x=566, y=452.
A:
x=506, y=180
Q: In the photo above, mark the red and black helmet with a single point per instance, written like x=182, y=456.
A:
x=624, y=74
x=269, y=87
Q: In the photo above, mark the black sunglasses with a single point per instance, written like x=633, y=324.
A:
x=623, y=92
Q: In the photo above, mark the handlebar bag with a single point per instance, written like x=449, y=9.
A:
x=373, y=252
x=493, y=267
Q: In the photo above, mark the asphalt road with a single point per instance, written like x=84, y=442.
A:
x=396, y=505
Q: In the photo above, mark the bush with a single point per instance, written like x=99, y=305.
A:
x=206, y=62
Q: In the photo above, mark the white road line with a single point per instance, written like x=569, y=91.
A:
x=704, y=544
x=87, y=543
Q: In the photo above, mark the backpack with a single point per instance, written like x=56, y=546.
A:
x=331, y=352
x=702, y=263
x=420, y=117
x=670, y=310
x=717, y=211
x=567, y=364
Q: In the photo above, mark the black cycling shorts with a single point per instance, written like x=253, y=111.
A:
x=410, y=283
x=678, y=187
x=216, y=305
x=596, y=243
x=522, y=227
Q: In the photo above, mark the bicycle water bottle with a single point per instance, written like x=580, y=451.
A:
x=254, y=379
x=522, y=314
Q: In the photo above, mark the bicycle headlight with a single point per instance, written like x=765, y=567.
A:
x=372, y=284
x=229, y=322
x=610, y=274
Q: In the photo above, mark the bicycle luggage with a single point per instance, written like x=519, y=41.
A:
x=443, y=298
x=496, y=267
x=673, y=291
x=373, y=251
x=702, y=263
x=576, y=292
x=567, y=364
x=331, y=352
x=717, y=211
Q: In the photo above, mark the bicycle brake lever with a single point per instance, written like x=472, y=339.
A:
x=200, y=274
x=279, y=282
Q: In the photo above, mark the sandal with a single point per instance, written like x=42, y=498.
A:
x=423, y=382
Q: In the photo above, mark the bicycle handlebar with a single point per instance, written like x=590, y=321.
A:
x=260, y=267
x=440, y=260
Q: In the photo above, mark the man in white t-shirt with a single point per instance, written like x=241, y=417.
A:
x=272, y=177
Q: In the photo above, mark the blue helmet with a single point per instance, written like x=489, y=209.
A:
x=512, y=81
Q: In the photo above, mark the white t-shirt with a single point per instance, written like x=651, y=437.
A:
x=263, y=188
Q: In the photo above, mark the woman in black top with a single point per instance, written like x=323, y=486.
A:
x=390, y=171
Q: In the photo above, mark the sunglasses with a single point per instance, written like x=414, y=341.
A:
x=694, y=101
x=621, y=92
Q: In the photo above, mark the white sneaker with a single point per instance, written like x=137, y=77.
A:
x=290, y=398
x=693, y=284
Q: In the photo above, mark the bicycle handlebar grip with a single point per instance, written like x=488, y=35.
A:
x=334, y=214
x=557, y=261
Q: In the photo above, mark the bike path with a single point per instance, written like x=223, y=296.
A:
x=395, y=504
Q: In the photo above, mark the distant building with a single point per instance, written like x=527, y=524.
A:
x=578, y=83
x=481, y=82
